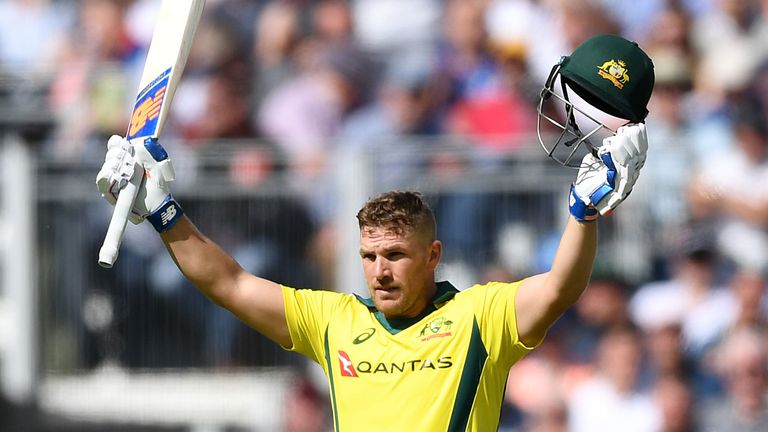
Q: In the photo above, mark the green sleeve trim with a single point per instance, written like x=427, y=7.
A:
x=329, y=367
x=470, y=379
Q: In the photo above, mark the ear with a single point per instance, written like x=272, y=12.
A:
x=435, y=253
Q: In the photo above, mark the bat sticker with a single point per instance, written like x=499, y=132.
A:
x=144, y=120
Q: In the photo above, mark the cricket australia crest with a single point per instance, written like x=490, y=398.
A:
x=614, y=71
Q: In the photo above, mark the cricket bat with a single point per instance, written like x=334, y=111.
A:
x=167, y=55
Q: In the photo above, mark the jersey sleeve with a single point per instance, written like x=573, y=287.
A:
x=495, y=311
x=307, y=313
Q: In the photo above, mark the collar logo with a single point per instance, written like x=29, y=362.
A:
x=437, y=328
x=614, y=71
x=364, y=336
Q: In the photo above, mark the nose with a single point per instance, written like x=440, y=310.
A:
x=383, y=271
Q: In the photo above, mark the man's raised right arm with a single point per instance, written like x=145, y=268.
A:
x=256, y=301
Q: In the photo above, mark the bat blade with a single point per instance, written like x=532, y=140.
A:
x=166, y=59
x=167, y=56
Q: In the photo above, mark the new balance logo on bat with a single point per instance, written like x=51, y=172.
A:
x=146, y=112
x=168, y=214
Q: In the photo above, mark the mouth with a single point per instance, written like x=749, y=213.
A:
x=384, y=291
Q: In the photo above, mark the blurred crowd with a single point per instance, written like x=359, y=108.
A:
x=684, y=348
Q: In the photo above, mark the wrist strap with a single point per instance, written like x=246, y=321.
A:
x=579, y=210
x=166, y=215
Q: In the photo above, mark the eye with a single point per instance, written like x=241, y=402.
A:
x=368, y=256
x=392, y=256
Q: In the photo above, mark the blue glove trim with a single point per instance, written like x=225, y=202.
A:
x=600, y=193
x=166, y=215
x=155, y=149
x=580, y=211
x=611, y=176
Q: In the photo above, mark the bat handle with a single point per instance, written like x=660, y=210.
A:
x=113, y=238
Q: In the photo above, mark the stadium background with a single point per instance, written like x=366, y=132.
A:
x=292, y=113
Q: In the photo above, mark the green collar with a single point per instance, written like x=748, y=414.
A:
x=445, y=292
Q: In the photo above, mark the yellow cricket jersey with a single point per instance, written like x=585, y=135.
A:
x=442, y=371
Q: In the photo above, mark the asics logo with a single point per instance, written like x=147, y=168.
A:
x=364, y=336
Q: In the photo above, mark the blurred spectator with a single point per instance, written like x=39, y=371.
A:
x=635, y=18
x=29, y=34
x=464, y=55
x=466, y=63
x=551, y=417
x=392, y=27
x=742, y=361
x=727, y=39
x=540, y=385
x=276, y=36
x=675, y=402
x=664, y=347
x=612, y=400
x=503, y=118
x=216, y=70
x=690, y=297
x=749, y=290
x=603, y=306
x=95, y=84
x=332, y=21
x=304, y=113
x=669, y=30
x=241, y=15
x=491, y=108
x=398, y=125
x=403, y=107
x=731, y=191
x=225, y=113
x=562, y=26
x=105, y=37
x=681, y=141
x=305, y=409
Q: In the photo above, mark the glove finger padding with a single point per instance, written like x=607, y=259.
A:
x=158, y=175
x=594, y=183
x=122, y=160
x=605, y=180
x=117, y=170
x=627, y=149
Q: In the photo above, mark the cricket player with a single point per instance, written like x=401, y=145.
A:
x=418, y=354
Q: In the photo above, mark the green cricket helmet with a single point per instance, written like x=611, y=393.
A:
x=611, y=80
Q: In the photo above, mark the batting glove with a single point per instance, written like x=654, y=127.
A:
x=605, y=180
x=148, y=159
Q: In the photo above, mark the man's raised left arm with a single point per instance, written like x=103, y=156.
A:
x=603, y=182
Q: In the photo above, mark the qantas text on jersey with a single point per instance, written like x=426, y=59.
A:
x=349, y=368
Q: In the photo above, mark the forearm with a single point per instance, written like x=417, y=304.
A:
x=542, y=298
x=202, y=261
x=572, y=265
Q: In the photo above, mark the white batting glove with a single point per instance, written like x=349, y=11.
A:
x=154, y=200
x=604, y=181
